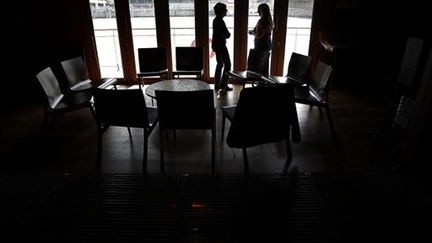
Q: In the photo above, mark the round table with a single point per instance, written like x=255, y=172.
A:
x=176, y=85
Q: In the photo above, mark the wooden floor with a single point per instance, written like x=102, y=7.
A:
x=337, y=192
x=69, y=146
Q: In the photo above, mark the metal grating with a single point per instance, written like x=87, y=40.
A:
x=192, y=208
x=22, y=193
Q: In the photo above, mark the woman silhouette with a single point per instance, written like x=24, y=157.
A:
x=263, y=29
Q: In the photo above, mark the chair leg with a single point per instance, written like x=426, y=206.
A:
x=53, y=118
x=388, y=119
x=161, y=151
x=223, y=125
x=129, y=131
x=145, y=152
x=330, y=120
x=99, y=148
x=288, y=150
x=45, y=123
x=92, y=111
x=246, y=161
x=213, y=138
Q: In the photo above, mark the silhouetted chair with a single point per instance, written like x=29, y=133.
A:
x=152, y=63
x=254, y=122
x=76, y=73
x=403, y=97
x=56, y=103
x=316, y=93
x=124, y=108
x=298, y=71
x=189, y=61
x=186, y=110
x=257, y=66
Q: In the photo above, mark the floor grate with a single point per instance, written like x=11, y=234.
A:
x=194, y=208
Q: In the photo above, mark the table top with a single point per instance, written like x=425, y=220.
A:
x=176, y=85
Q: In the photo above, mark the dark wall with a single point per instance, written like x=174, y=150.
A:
x=379, y=29
x=38, y=35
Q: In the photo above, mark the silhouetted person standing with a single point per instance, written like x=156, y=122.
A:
x=220, y=34
x=263, y=29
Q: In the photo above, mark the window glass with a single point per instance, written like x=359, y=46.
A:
x=182, y=24
x=106, y=37
x=143, y=25
x=298, y=28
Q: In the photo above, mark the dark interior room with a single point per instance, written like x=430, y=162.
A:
x=360, y=174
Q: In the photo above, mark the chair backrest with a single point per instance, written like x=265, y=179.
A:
x=189, y=58
x=50, y=85
x=258, y=61
x=186, y=109
x=411, y=67
x=75, y=70
x=410, y=61
x=125, y=107
x=152, y=59
x=264, y=114
x=298, y=67
x=320, y=80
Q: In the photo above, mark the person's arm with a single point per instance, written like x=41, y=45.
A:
x=259, y=31
x=252, y=32
x=227, y=33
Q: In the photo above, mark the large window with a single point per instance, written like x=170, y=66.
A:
x=106, y=34
x=182, y=30
x=298, y=28
x=182, y=23
x=143, y=25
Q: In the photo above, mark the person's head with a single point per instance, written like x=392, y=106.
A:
x=264, y=10
x=220, y=9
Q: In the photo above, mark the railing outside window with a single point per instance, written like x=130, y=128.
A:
x=297, y=40
x=183, y=29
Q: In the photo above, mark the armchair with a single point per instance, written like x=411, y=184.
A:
x=56, y=103
x=298, y=71
x=189, y=61
x=152, y=63
x=124, y=108
x=186, y=110
x=257, y=66
x=254, y=122
x=77, y=78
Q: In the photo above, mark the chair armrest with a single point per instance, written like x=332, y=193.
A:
x=245, y=75
x=269, y=80
x=105, y=82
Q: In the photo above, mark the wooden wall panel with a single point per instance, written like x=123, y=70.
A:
x=125, y=38
x=278, y=51
x=240, y=34
x=202, y=32
x=163, y=29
